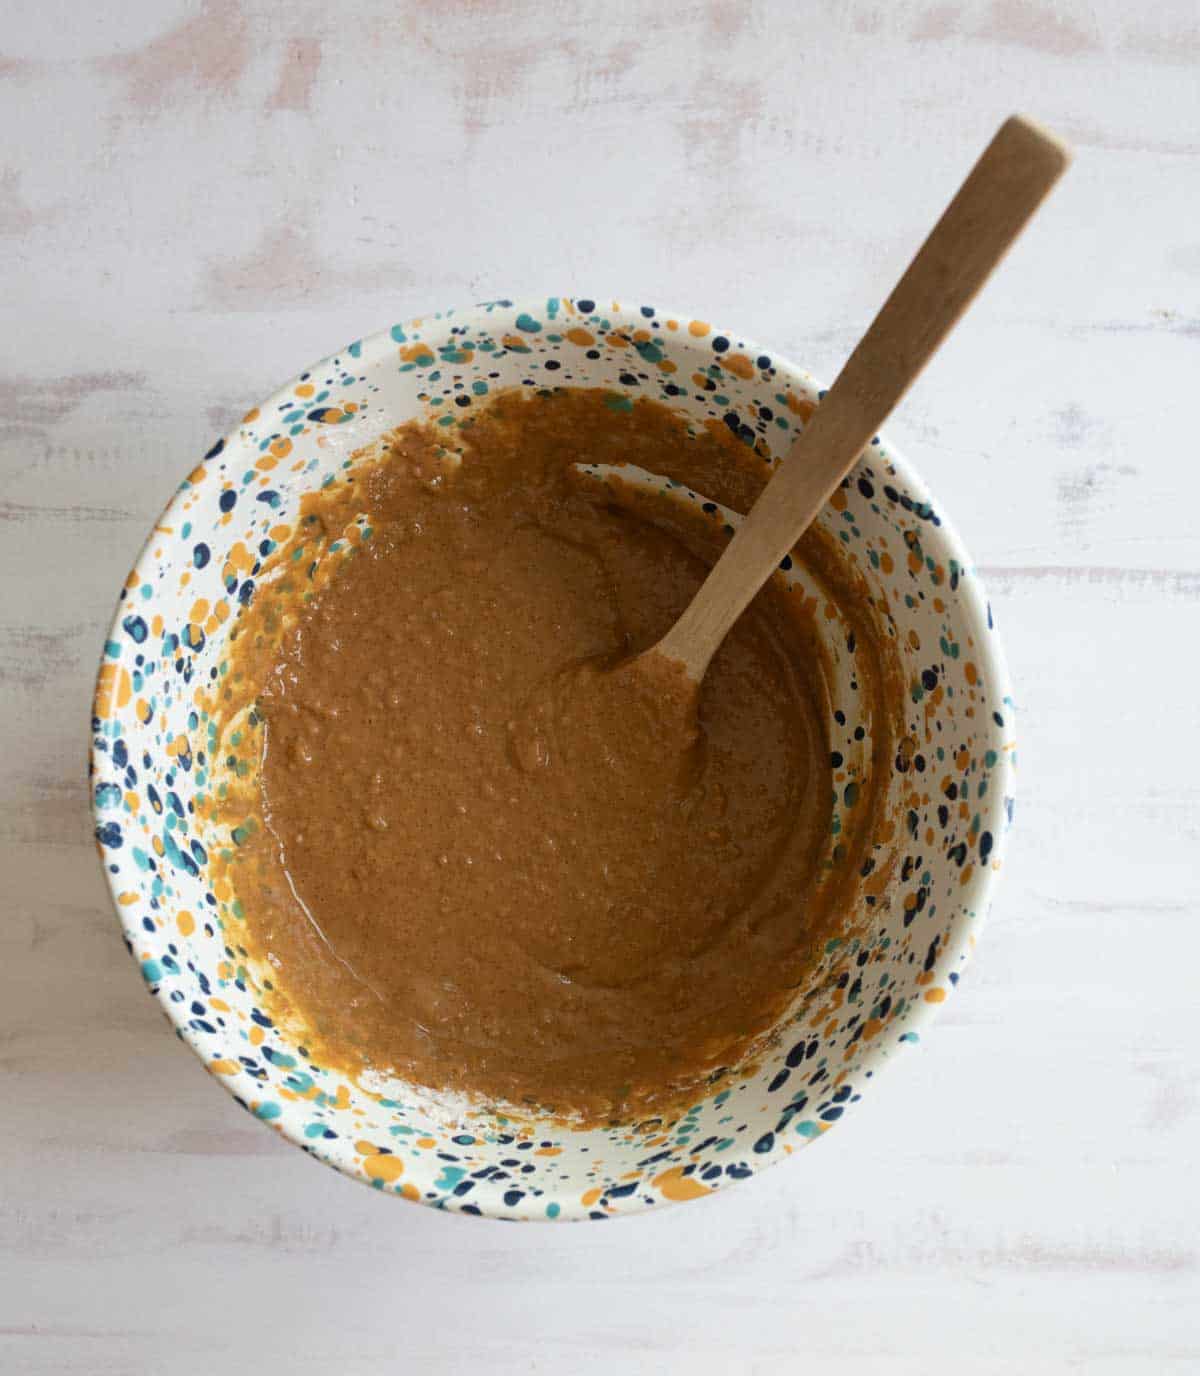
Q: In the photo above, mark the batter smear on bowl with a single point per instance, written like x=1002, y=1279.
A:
x=475, y=855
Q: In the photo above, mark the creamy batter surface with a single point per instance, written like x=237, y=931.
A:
x=475, y=851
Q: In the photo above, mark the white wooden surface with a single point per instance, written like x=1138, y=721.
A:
x=196, y=200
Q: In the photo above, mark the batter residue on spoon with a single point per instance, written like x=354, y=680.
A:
x=474, y=855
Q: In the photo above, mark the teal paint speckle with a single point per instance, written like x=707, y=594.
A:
x=552, y=1211
x=528, y=324
x=449, y=1177
x=268, y=1110
x=171, y=847
x=152, y=971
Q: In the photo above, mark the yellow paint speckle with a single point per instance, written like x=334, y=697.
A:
x=673, y=1184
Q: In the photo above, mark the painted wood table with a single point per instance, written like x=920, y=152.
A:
x=196, y=200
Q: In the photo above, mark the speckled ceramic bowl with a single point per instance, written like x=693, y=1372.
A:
x=149, y=763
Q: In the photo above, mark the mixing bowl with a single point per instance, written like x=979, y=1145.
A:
x=873, y=995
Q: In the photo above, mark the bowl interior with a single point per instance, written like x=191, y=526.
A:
x=152, y=758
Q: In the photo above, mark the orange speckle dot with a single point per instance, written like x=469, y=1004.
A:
x=589, y=1197
x=256, y=1035
x=251, y=416
x=387, y=1168
x=185, y=922
x=675, y=1185
x=739, y=365
x=578, y=335
x=305, y=389
x=224, y=1067
x=936, y=995
x=698, y=328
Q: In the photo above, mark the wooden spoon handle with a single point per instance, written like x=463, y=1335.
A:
x=992, y=206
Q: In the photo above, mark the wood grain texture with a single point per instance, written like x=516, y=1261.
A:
x=196, y=200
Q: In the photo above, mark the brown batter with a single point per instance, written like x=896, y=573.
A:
x=485, y=860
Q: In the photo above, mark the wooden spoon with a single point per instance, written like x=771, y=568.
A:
x=992, y=206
